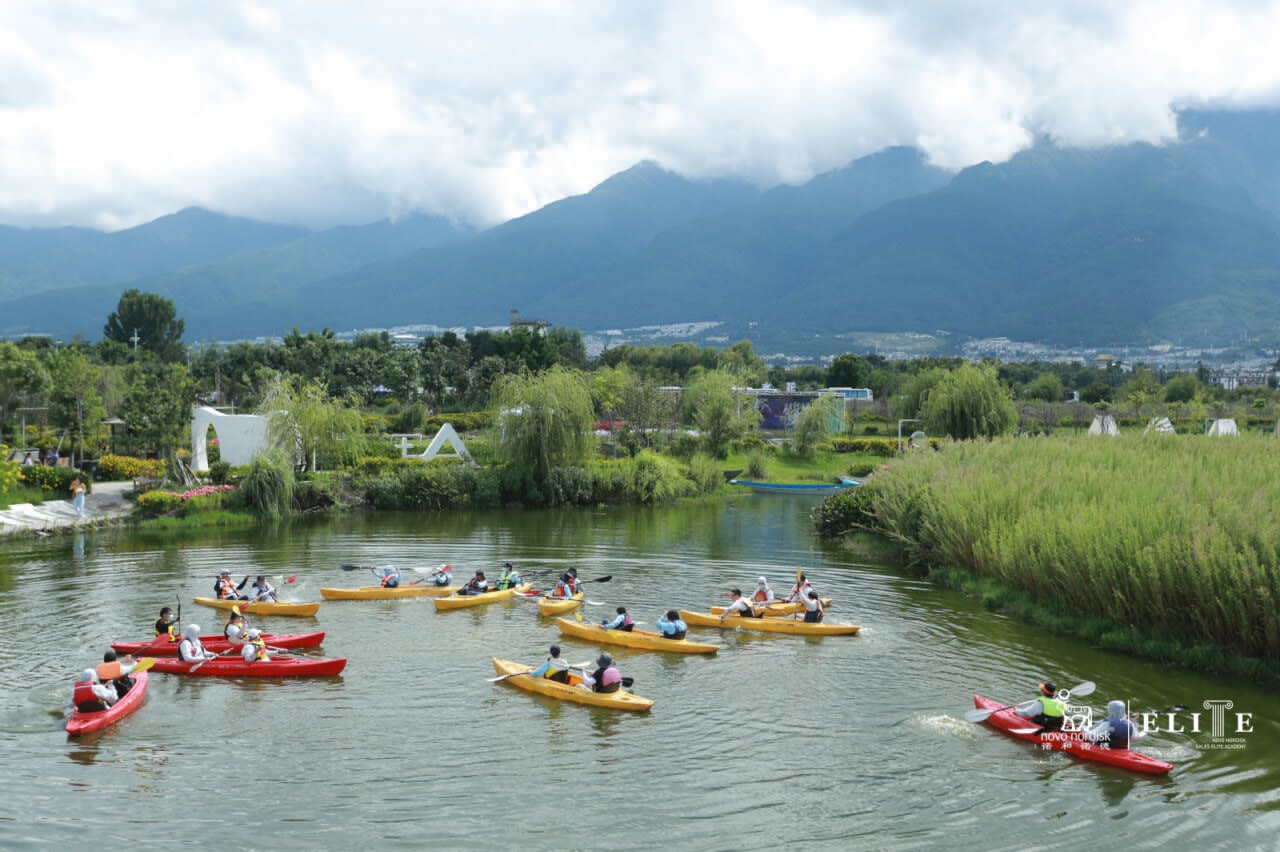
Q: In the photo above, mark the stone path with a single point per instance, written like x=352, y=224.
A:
x=106, y=502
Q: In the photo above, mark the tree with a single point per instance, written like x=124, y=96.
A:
x=1142, y=388
x=743, y=363
x=22, y=377
x=817, y=422
x=149, y=318
x=75, y=404
x=1181, y=388
x=1046, y=387
x=720, y=412
x=307, y=423
x=157, y=407
x=969, y=403
x=848, y=371
x=544, y=421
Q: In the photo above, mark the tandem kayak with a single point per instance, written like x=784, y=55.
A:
x=633, y=639
x=548, y=605
x=82, y=723
x=518, y=677
x=163, y=646
x=769, y=625
x=233, y=666
x=382, y=593
x=263, y=607
x=778, y=608
x=1069, y=742
x=461, y=601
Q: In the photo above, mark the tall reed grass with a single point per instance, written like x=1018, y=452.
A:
x=1178, y=536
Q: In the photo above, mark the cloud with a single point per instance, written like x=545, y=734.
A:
x=326, y=113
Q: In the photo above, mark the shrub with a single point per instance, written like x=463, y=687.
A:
x=704, y=473
x=269, y=486
x=883, y=447
x=219, y=471
x=155, y=503
x=115, y=468
x=758, y=464
x=843, y=512
x=55, y=480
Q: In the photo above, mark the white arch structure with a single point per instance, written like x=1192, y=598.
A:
x=446, y=435
x=240, y=436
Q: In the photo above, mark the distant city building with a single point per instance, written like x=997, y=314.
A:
x=779, y=409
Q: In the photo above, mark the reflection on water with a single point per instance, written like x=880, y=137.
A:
x=833, y=743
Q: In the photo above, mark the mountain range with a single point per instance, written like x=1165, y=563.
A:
x=1132, y=244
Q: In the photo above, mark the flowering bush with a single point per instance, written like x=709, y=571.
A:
x=115, y=467
x=206, y=490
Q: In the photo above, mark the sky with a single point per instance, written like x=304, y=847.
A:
x=321, y=113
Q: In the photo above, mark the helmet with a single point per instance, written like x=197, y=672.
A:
x=88, y=676
x=604, y=660
x=555, y=650
x=254, y=633
x=1048, y=687
x=191, y=631
x=1115, y=709
x=225, y=572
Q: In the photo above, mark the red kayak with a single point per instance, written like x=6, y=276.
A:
x=82, y=722
x=233, y=666
x=1070, y=742
x=163, y=646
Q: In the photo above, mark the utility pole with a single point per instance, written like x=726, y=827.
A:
x=135, y=340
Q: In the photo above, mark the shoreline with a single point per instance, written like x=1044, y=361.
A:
x=105, y=503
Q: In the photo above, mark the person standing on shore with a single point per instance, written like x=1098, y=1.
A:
x=78, y=490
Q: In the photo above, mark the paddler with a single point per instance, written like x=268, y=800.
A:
x=1117, y=730
x=165, y=625
x=564, y=589
x=234, y=631
x=763, y=593
x=115, y=673
x=389, y=575
x=190, y=649
x=263, y=591
x=225, y=588
x=477, y=585
x=443, y=575
x=553, y=668
x=621, y=621
x=89, y=695
x=606, y=677
x=255, y=647
x=671, y=625
x=510, y=577
x=1047, y=710
x=739, y=606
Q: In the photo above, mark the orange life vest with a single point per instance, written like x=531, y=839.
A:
x=109, y=671
x=84, y=699
x=226, y=588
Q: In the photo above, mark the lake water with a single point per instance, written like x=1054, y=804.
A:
x=776, y=741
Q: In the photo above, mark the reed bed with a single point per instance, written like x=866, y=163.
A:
x=1177, y=537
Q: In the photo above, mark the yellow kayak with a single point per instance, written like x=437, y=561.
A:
x=633, y=639
x=548, y=605
x=380, y=593
x=769, y=625
x=620, y=700
x=781, y=608
x=263, y=607
x=456, y=601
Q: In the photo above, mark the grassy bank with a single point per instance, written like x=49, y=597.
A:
x=1165, y=544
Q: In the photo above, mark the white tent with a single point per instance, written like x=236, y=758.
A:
x=1104, y=424
x=1160, y=425
x=1224, y=427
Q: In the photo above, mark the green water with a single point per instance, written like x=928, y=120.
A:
x=776, y=741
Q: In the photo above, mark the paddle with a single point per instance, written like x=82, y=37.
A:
x=143, y=664
x=355, y=567
x=1079, y=689
x=580, y=667
x=197, y=666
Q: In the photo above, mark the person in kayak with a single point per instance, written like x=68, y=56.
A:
x=225, y=588
x=553, y=668
x=606, y=677
x=812, y=604
x=389, y=576
x=89, y=695
x=510, y=577
x=263, y=591
x=564, y=589
x=739, y=606
x=234, y=631
x=575, y=585
x=671, y=625
x=477, y=585
x=165, y=626
x=255, y=647
x=1047, y=710
x=621, y=621
x=763, y=593
x=443, y=575
x=115, y=673
x=1115, y=731
x=190, y=649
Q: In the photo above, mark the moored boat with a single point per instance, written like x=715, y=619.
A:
x=163, y=646
x=1069, y=742
x=380, y=593
x=462, y=601
x=518, y=677
x=263, y=607
x=233, y=666
x=548, y=605
x=797, y=487
x=778, y=608
x=81, y=722
x=769, y=625
x=633, y=639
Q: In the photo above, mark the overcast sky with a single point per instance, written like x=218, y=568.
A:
x=323, y=113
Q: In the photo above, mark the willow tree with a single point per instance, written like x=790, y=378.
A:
x=307, y=422
x=969, y=402
x=721, y=414
x=545, y=420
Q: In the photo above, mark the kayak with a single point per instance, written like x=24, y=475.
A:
x=163, y=646
x=633, y=639
x=620, y=700
x=769, y=625
x=381, y=593
x=233, y=666
x=461, y=601
x=548, y=605
x=780, y=608
x=1070, y=742
x=81, y=722
x=263, y=607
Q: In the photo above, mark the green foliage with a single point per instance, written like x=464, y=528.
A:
x=219, y=471
x=969, y=403
x=704, y=473
x=9, y=471
x=117, y=468
x=1181, y=389
x=757, y=464
x=1047, y=387
x=269, y=485
x=720, y=413
x=462, y=421
x=848, y=370
x=157, y=406
x=53, y=480
x=307, y=422
x=883, y=447
x=818, y=422
x=23, y=378
x=547, y=421
x=1098, y=391
x=845, y=511
x=156, y=503
x=655, y=479
x=433, y=487
x=153, y=319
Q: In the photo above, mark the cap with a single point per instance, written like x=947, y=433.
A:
x=604, y=659
x=1048, y=687
x=506, y=564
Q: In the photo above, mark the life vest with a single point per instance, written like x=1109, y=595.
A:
x=444, y=579
x=628, y=623
x=261, y=652
x=506, y=581
x=226, y=589
x=562, y=591
x=109, y=671
x=390, y=580
x=1119, y=733
x=746, y=611
x=607, y=679
x=84, y=698
x=679, y=634
x=163, y=629
x=1051, y=713
x=190, y=649
x=477, y=587
x=761, y=596
x=557, y=671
